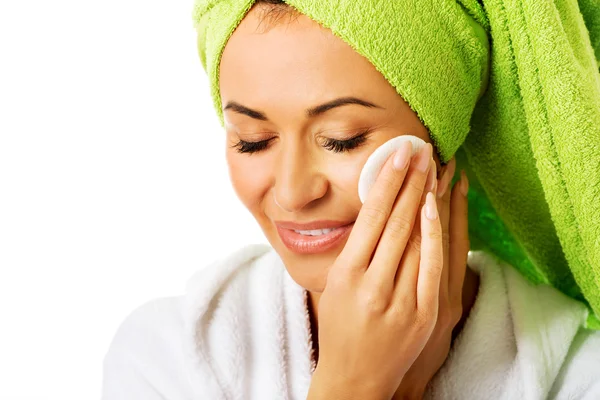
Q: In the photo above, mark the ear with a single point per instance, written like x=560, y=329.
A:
x=449, y=165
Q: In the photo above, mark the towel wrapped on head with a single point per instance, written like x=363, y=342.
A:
x=509, y=87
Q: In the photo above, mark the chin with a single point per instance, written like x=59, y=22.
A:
x=308, y=271
x=312, y=276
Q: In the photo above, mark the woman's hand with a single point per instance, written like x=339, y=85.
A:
x=380, y=304
x=454, y=218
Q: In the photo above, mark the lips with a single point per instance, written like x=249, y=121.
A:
x=305, y=244
x=314, y=225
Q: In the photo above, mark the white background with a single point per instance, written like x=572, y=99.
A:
x=113, y=182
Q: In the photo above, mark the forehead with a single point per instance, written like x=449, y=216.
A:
x=292, y=57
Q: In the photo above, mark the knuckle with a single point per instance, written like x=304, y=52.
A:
x=425, y=319
x=435, y=234
x=399, y=226
x=402, y=301
x=435, y=267
x=414, y=243
x=374, y=216
x=396, y=311
x=446, y=240
x=416, y=184
x=373, y=303
x=347, y=265
x=390, y=179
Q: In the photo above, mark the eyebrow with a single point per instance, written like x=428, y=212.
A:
x=311, y=112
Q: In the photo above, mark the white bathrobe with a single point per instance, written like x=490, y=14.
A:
x=242, y=331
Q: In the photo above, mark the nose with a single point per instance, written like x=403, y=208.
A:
x=298, y=180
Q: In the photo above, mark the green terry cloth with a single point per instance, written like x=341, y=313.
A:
x=512, y=87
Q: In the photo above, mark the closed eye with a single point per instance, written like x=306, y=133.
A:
x=339, y=146
x=335, y=145
x=243, y=146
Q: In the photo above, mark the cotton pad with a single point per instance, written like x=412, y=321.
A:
x=376, y=160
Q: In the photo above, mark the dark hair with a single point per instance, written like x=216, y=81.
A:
x=277, y=11
x=274, y=2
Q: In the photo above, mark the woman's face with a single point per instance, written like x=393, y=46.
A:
x=277, y=87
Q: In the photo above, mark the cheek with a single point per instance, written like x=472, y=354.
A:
x=346, y=178
x=343, y=175
x=250, y=178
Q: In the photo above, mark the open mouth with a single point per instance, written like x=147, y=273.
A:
x=314, y=240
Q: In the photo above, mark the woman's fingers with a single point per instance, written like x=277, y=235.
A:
x=408, y=270
x=443, y=199
x=400, y=224
x=432, y=259
x=459, y=237
x=375, y=211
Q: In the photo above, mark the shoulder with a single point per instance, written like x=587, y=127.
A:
x=548, y=328
x=538, y=304
x=158, y=318
x=145, y=359
x=579, y=377
x=149, y=356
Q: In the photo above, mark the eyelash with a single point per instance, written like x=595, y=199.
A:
x=337, y=146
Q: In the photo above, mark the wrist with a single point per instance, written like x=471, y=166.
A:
x=324, y=386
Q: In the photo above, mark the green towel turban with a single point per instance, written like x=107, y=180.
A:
x=511, y=87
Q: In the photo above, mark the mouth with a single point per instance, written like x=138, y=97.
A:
x=315, y=240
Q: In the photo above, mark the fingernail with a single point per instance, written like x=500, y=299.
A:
x=431, y=179
x=423, y=158
x=464, y=183
x=430, y=207
x=402, y=156
x=446, y=178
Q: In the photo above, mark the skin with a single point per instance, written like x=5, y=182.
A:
x=281, y=71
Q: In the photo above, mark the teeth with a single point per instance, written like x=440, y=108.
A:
x=315, y=232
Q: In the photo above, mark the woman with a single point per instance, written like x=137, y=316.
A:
x=352, y=301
